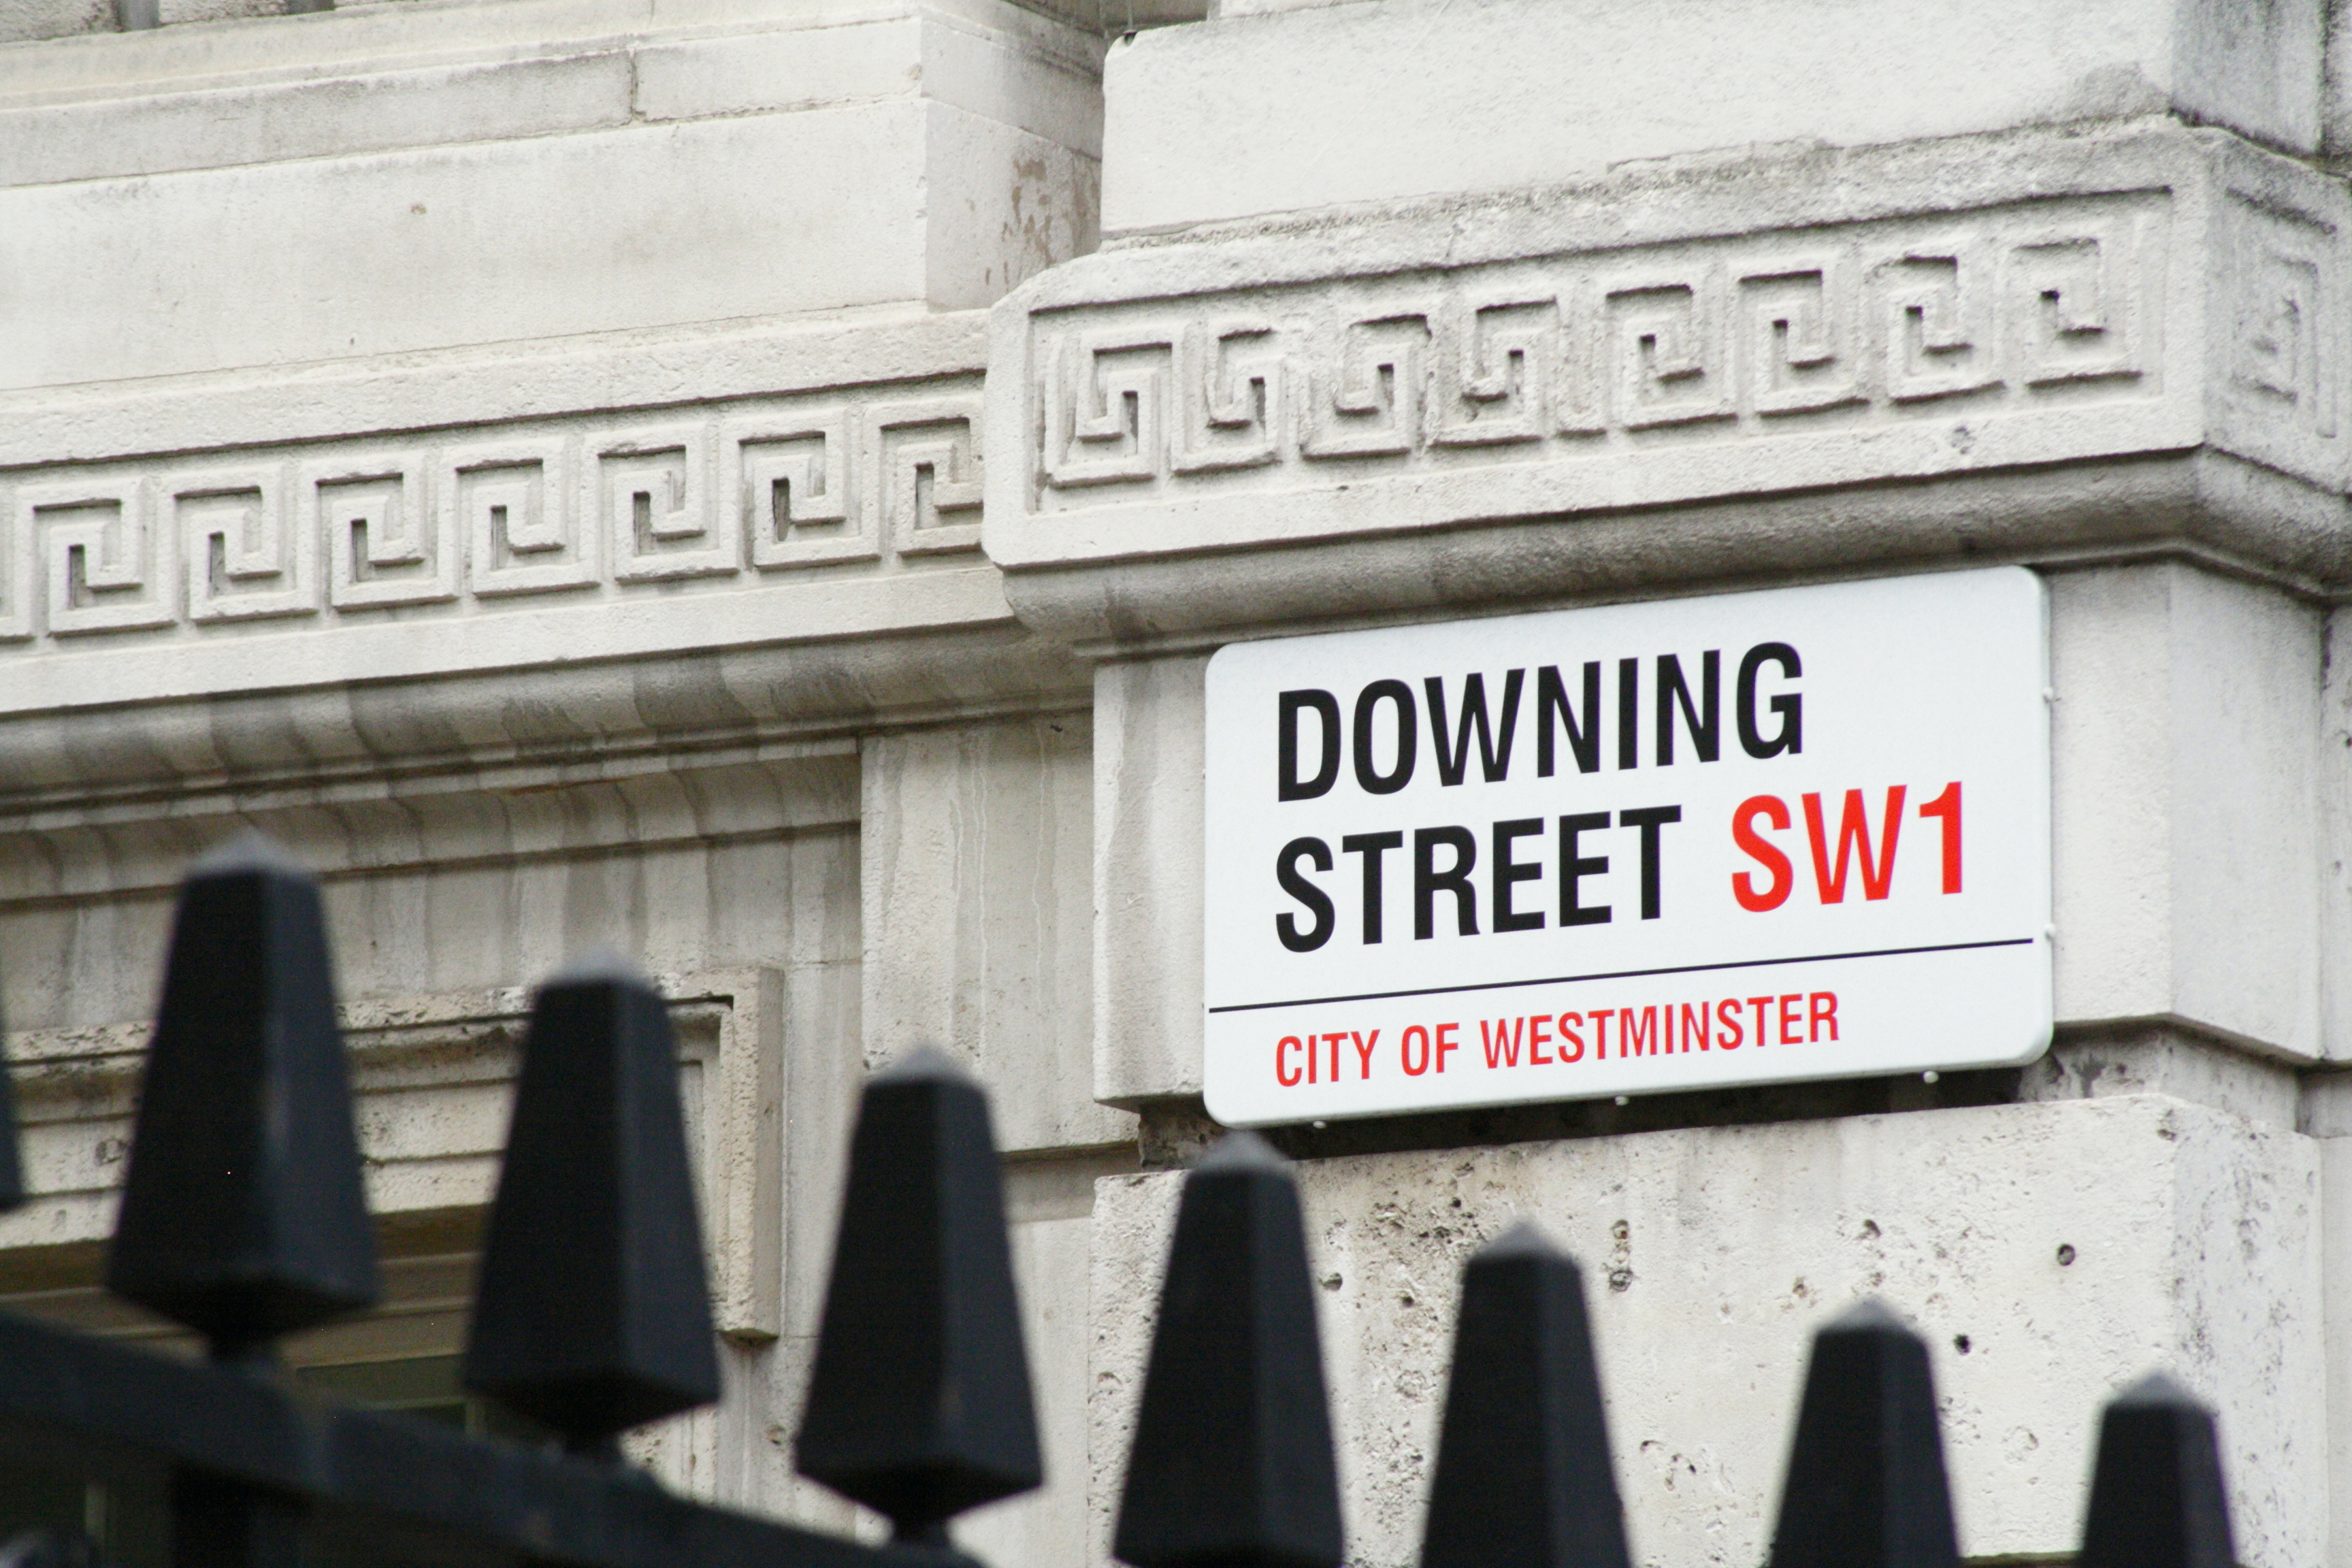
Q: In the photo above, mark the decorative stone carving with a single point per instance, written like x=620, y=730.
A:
x=1472, y=367
x=599, y=504
x=1741, y=339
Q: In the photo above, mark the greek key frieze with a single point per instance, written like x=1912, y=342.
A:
x=718, y=498
x=1740, y=339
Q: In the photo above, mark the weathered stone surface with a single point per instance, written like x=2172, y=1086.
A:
x=1257, y=113
x=2050, y=1253
x=979, y=844
x=918, y=153
x=2185, y=740
x=1148, y=888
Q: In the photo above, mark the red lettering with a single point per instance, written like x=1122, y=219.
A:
x=1404, y=1051
x=1363, y=1053
x=1853, y=836
x=1503, y=1047
x=1946, y=806
x=1332, y=1041
x=1788, y=1019
x=1637, y=1042
x=1816, y=1015
x=1695, y=1026
x=1726, y=1014
x=1284, y=1073
x=1571, y=1035
x=1445, y=1044
x=1744, y=833
x=1539, y=1037
x=1599, y=1022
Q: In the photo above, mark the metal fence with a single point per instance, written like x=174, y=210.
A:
x=242, y=1218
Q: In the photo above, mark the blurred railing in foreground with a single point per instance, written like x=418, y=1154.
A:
x=243, y=1217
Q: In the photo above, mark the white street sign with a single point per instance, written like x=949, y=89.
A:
x=1753, y=838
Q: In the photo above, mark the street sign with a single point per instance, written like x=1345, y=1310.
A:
x=1750, y=838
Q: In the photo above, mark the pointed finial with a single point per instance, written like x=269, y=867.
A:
x=1866, y=1486
x=594, y=1311
x=2157, y=1497
x=1524, y=1478
x=243, y=1215
x=920, y=1404
x=1232, y=1463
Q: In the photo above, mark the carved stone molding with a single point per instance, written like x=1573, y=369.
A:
x=2168, y=294
x=1733, y=341
x=344, y=531
x=433, y=1077
x=780, y=486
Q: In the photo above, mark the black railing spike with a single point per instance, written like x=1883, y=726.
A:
x=1866, y=1486
x=919, y=1405
x=243, y=1214
x=593, y=1313
x=1232, y=1463
x=1524, y=1478
x=2157, y=1497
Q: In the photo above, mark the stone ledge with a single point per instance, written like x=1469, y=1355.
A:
x=499, y=729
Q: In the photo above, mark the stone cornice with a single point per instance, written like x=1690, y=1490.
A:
x=678, y=544
x=2037, y=346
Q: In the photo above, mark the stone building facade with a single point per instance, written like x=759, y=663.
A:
x=758, y=482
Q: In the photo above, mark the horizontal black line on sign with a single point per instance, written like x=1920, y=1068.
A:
x=1628, y=974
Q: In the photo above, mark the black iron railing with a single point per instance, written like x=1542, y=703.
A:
x=242, y=1218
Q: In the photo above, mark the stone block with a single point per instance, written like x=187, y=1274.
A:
x=609, y=174
x=2333, y=758
x=978, y=849
x=1148, y=757
x=1288, y=108
x=2050, y=1254
x=2185, y=741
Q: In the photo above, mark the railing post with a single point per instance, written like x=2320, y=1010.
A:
x=243, y=1214
x=1524, y=1477
x=1232, y=1463
x=594, y=1311
x=2157, y=1497
x=1866, y=1486
x=919, y=1403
